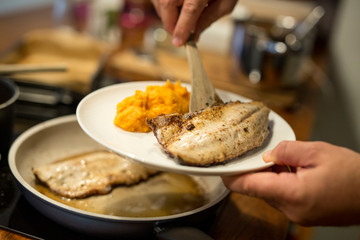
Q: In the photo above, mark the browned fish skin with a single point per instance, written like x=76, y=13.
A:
x=91, y=173
x=213, y=135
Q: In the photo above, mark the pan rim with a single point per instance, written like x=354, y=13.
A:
x=25, y=185
x=15, y=92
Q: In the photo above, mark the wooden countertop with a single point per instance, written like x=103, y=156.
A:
x=242, y=217
x=10, y=234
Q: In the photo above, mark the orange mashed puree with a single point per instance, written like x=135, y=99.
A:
x=133, y=111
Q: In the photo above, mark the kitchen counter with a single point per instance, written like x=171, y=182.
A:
x=242, y=217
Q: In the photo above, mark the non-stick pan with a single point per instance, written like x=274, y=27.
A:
x=62, y=137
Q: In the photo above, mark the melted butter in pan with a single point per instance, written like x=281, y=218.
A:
x=161, y=195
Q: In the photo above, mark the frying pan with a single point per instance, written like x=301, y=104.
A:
x=62, y=137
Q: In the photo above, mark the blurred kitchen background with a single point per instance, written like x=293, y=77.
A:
x=275, y=45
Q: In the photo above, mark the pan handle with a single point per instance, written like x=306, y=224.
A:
x=178, y=233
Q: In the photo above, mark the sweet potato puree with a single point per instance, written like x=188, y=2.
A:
x=133, y=111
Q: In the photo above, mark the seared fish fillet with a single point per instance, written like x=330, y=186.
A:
x=213, y=135
x=91, y=173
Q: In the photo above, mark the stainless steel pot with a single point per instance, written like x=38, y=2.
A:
x=276, y=52
x=62, y=137
x=8, y=95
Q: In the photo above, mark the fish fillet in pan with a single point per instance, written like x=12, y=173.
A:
x=90, y=173
x=213, y=135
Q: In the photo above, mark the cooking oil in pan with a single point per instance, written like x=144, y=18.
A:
x=162, y=195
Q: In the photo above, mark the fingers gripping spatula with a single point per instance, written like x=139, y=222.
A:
x=203, y=93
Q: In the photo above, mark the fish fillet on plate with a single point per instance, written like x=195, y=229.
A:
x=213, y=135
x=90, y=173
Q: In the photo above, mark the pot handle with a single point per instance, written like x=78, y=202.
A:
x=180, y=233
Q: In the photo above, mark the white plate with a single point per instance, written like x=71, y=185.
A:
x=96, y=112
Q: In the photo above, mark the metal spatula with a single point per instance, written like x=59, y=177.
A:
x=203, y=93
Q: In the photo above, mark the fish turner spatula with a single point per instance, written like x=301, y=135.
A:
x=203, y=93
